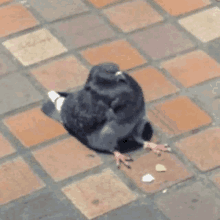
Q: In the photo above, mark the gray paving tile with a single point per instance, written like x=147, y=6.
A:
x=209, y=96
x=16, y=91
x=43, y=207
x=82, y=31
x=55, y=9
x=214, y=49
x=138, y=210
x=192, y=202
x=162, y=41
x=6, y=65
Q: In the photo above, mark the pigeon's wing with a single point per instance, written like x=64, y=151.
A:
x=106, y=138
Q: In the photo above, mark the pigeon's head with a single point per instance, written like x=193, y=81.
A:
x=107, y=74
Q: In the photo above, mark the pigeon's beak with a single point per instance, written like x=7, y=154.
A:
x=120, y=76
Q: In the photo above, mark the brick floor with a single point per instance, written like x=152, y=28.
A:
x=4, y=1
x=6, y=147
x=178, y=115
x=6, y=65
x=65, y=158
x=34, y=47
x=192, y=202
x=204, y=25
x=83, y=31
x=202, y=148
x=18, y=90
x=33, y=127
x=167, y=39
x=55, y=9
x=102, y=3
x=216, y=179
x=176, y=172
x=17, y=180
x=118, y=51
x=16, y=18
x=132, y=15
x=176, y=8
x=208, y=94
x=45, y=206
x=61, y=74
x=171, y=48
x=188, y=69
x=153, y=83
x=214, y=48
x=140, y=210
x=99, y=194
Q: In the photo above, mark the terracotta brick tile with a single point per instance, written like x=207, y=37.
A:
x=66, y=158
x=34, y=47
x=162, y=41
x=98, y=194
x=4, y=1
x=120, y=52
x=33, y=127
x=153, y=83
x=180, y=7
x=6, y=147
x=178, y=115
x=61, y=74
x=102, y=3
x=132, y=15
x=204, y=25
x=192, y=68
x=176, y=172
x=14, y=18
x=17, y=180
x=202, y=148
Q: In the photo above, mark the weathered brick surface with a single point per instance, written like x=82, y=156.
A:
x=178, y=115
x=16, y=91
x=153, y=83
x=167, y=38
x=17, y=18
x=34, y=47
x=53, y=10
x=16, y=180
x=132, y=15
x=66, y=158
x=120, y=52
x=174, y=8
x=204, y=25
x=83, y=31
x=61, y=74
x=33, y=127
x=99, y=194
x=171, y=48
x=176, y=172
x=193, y=202
x=202, y=148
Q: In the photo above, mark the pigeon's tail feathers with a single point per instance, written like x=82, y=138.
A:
x=53, y=96
x=56, y=99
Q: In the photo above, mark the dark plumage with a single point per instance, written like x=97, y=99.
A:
x=110, y=107
x=107, y=103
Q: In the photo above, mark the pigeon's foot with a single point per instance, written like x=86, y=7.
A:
x=156, y=148
x=122, y=158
